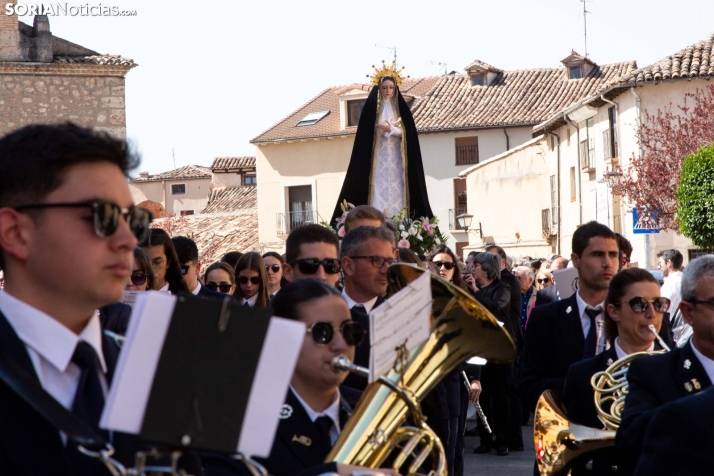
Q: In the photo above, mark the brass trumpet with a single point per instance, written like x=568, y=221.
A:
x=558, y=441
x=460, y=328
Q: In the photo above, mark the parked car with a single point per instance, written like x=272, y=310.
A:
x=657, y=275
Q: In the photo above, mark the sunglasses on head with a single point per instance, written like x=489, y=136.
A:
x=639, y=304
x=138, y=278
x=311, y=265
x=105, y=216
x=245, y=279
x=323, y=332
x=449, y=266
x=223, y=287
x=273, y=267
x=543, y=280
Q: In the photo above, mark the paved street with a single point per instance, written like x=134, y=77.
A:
x=517, y=463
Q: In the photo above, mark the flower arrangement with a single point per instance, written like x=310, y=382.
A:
x=420, y=235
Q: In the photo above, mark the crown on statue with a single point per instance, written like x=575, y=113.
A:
x=390, y=71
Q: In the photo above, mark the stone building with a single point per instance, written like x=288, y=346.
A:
x=46, y=79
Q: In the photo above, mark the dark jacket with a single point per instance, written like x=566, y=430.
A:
x=547, y=295
x=654, y=381
x=514, y=314
x=115, y=317
x=298, y=447
x=496, y=297
x=554, y=340
x=362, y=351
x=678, y=441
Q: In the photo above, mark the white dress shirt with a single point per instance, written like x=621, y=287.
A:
x=352, y=303
x=333, y=411
x=197, y=289
x=672, y=289
x=251, y=300
x=51, y=345
x=165, y=288
x=621, y=353
x=585, y=320
x=707, y=363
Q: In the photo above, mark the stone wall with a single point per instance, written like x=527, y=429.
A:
x=92, y=101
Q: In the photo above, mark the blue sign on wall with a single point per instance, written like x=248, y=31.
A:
x=637, y=227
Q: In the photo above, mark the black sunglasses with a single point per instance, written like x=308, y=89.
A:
x=105, y=216
x=377, y=261
x=245, y=279
x=138, y=278
x=447, y=265
x=184, y=268
x=543, y=280
x=311, y=265
x=223, y=287
x=323, y=332
x=273, y=267
x=639, y=304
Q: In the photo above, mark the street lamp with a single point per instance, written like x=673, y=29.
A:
x=464, y=220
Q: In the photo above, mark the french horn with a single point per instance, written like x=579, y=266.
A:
x=461, y=328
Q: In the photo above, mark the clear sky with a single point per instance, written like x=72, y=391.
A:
x=213, y=75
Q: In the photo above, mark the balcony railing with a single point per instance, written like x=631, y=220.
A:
x=546, y=223
x=287, y=222
x=453, y=213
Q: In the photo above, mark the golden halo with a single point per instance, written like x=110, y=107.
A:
x=385, y=70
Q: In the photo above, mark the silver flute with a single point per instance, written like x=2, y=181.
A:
x=477, y=405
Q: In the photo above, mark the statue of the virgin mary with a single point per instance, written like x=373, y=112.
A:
x=385, y=168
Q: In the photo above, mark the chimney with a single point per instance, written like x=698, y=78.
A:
x=144, y=175
x=41, y=50
x=14, y=46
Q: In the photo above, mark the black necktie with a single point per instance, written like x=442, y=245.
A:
x=88, y=404
x=591, y=339
x=324, y=425
x=360, y=308
x=248, y=305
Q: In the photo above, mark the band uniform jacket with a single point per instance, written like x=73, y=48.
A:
x=298, y=447
x=353, y=380
x=546, y=296
x=678, y=440
x=115, y=317
x=580, y=408
x=554, y=340
x=654, y=381
x=29, y=444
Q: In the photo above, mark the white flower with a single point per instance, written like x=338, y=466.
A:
x=405, y=235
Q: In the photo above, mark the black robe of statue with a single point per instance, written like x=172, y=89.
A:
x=356, y=186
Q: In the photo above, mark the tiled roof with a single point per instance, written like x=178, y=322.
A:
x=226, y=200
x=443, y=103
x=187, y=172
x=228, y=163
x=480, y=65
x=694, y=61
x=114, y=60
x=514, y=98
x=329, y=100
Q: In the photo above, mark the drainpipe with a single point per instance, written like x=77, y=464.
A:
x=508, y=140
x=639, y=122
x=557, y=136
x=577, y=167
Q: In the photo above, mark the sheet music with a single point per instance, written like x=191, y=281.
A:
x=566, y=282
x=402, y=318
x=275, y=369
x=130, y=297
x=134, y=374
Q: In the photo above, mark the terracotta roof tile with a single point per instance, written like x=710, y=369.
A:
x=227, y=163
x=329, y=100
x=225, y=232
x=694, y=61
x=187, y=172
x=226, y=200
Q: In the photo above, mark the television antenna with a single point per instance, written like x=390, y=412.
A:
x=392, y=49
x=585, y=24
x=440, y=64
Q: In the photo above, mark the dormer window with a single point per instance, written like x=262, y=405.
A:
x=576, y=72
x=481, y=74
x=354, y=111
x=477, y=80
x=577, y=66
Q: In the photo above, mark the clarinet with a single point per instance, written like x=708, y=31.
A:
x=479, y=410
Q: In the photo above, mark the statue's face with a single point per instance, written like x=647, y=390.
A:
x=387, y=89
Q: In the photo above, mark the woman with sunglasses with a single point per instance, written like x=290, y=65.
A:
x=252, y=280
x=220, y=277
x=544, y=279
x=445, y=261
x=142, y=276
x=633, y=303
x=274, y=267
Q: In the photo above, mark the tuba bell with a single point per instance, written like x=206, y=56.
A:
x=460, y=329
x=558, y=441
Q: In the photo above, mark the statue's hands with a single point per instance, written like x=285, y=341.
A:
x=386, y=128
x=397, y=123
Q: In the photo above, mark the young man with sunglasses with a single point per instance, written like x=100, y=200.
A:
x=187, y=254
x=68, y=228
x=659, y=379
x=312, y=251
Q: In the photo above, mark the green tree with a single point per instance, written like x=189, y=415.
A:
x=695, y=198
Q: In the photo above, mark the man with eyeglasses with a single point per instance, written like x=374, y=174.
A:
x=187, y=253
x=68, y=228
x=659, y=379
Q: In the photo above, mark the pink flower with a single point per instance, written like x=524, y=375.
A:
x=403, y=244
x=429, y=229
x=341, y=232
